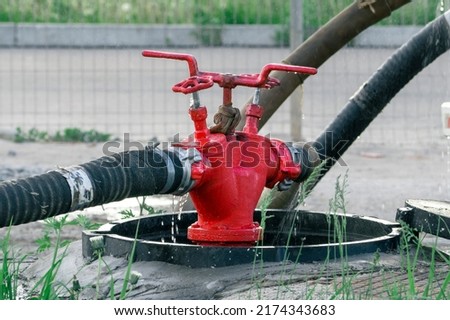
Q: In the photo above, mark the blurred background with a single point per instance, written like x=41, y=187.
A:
x=78, y=63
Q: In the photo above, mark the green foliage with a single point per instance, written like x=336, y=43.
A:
x=144, y=209
x=127, y=213
x=78, y=135
x=9, y=270
x=288, y=226
x=344, y=281
x=53, y=225
x=200, y=12
x=67, y=135
x=47, y=288
x=258, y=260
x=219, y=12
x=32, y=135
x=127, y=284
x=44, y=242
x=84, y=222
x=209, y=15
x=338, y=234
x=418, y=12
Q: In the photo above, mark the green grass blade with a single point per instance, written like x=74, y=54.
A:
x=126, y=280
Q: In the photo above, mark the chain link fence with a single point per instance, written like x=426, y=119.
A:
x=77, y=63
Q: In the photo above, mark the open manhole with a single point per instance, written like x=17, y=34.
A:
x=301, y=236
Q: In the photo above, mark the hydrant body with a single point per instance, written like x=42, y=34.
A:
x=233, y=172
x=229, y=191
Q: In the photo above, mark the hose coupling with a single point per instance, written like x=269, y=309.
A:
x=187, y=157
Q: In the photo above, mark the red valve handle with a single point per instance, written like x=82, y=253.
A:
x=193, y=84
x=190, y=59
x=200, y=80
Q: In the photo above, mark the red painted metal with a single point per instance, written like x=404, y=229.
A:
x=200, y=80
x=235, y=167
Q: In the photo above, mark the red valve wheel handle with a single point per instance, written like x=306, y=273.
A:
x=193, y=84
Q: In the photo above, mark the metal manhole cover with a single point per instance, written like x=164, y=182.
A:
x=429, y=216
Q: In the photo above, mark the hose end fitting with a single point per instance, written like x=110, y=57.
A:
x=309, y=160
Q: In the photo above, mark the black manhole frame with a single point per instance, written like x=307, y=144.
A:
x=197, y=256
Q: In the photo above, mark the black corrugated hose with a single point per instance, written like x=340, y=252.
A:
x=432, y=41
x=109, y=178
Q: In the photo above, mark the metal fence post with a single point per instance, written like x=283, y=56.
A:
x=296, y=99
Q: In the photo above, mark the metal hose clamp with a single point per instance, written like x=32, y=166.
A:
x=295, y=153
x=296, y=159
x=308, y=158
x=187, y=158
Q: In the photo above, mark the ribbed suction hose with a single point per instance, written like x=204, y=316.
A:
x=107, y=179
x=365, y=105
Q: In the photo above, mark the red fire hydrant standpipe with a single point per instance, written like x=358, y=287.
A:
x=229, y=169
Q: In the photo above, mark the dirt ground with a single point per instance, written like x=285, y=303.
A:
x=380, y=178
